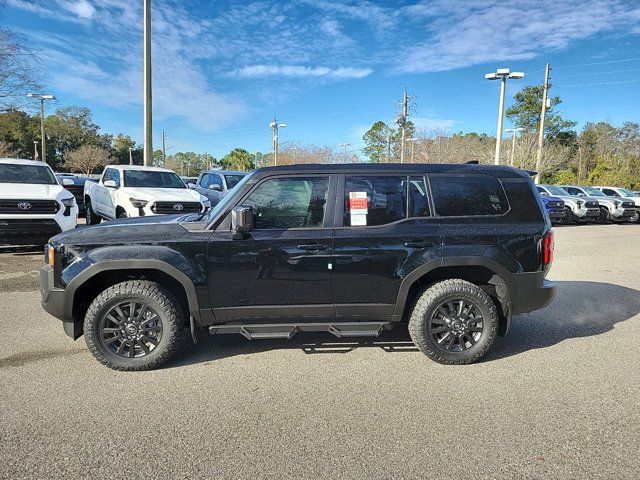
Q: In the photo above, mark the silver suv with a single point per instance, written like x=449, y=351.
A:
x=612, y=209
x=579, y=210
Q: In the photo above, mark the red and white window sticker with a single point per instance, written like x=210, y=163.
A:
x=358, y=208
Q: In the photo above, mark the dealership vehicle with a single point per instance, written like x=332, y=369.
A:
x=33, y=206
x=621, y=193
x=189, y=180
x=75, y=185
x=134, y=191
x=215, y=184
x=611, y=209
x=555, y=209
x=578, y=210
x=453, y=250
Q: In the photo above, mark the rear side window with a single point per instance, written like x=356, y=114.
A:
x=370, y=201
x=469, y=195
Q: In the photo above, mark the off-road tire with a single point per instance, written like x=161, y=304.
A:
x=91, y=217
x=155, y=296
x=605, y=216
x=434, y=296
x=569, y=218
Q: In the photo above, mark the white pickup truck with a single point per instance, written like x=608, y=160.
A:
x=133, y=191
x=33, y=206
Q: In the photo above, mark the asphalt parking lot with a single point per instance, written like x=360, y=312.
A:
x=558, y=398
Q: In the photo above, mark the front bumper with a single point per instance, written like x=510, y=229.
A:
x=54, y=302
x=588, y=213
x=532, y=292
x=556, y=215
x=26, y=230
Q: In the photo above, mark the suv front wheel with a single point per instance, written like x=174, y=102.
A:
x=454, y=322
x=134, y=325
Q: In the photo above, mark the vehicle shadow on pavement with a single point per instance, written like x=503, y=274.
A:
x=580, y=309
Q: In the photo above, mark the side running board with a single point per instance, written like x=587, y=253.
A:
x=288, y=330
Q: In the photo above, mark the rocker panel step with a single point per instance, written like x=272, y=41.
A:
x=288, y=330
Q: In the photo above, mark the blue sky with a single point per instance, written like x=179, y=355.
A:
x=328, y=68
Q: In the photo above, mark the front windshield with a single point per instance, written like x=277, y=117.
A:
x=553, y=190
x=152, y=179
x=227, y=199
x=594, y=192
x=34, y=174
x=627, y=193
x=232, y=180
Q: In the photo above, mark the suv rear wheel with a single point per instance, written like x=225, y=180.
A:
x=134, y=325
x=454, y=322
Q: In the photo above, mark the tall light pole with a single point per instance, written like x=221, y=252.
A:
x=344, y=146
x=42, y=98
x=274, y=125
x=501, y=74
x=148, y=130
x=543, y=114
x=413, y=145
x=35, y=149
x=513, y=141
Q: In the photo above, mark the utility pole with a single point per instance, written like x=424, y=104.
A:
x=402, y=122
x=130, y=156
x=42, y=98
x=501, y=74
x=579, y=163
x=542, y=119
x=164, y=148
x=274, y=125
x=513, y=142
x=148, y=129
x=388, y=146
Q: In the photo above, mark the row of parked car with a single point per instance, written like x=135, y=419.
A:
x=566, y=204
x=36, y=203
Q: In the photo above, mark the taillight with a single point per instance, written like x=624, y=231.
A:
x=547, y=248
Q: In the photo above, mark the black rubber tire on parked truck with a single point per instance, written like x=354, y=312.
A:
x=433, y=323
x=141, y=315
x=91, y=217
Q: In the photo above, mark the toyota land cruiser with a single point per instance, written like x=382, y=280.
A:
x=352, y=250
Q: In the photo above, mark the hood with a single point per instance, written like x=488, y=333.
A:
x=164, y=194
x=156, y=229
x=30, y=191
x=551, y=198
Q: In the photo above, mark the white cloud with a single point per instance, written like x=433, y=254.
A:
x=82, y=8
x=460, y=34
x=253, y=71
x=433, y=124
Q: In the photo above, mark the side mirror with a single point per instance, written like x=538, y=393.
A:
x=544, y=193
x=581, y=194
x=215, y=187
x=192, y=186
x=67, y=181
x=110, y=184
x=241, y=221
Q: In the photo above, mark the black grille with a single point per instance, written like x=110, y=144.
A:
x=556, y=204
x=12, y=227
x=170, y=207
x=592, y=205
x=29, y=206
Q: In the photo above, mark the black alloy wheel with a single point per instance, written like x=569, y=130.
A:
x=131, y=329
x=456, y=325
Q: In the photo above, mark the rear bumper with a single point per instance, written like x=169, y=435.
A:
x=532, y=292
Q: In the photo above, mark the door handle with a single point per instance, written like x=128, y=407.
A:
x=418, y=244
x=312, y=247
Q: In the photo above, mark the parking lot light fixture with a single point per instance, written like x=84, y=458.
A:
x=513, y=131
x=42, y=98
x=501, y=74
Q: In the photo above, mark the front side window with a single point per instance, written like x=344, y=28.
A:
x=468, y=195
x=151, y=179
x=573, y=190
x=111, y=174
x=33, y=174
x=232, y=180
x=282, y=203
x=370, y=201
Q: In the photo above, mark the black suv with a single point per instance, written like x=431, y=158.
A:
x=352, y=250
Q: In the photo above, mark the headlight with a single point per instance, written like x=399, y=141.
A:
x=138, y=203
x=69, y=202
x=205, y=201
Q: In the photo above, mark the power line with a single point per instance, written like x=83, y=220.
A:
x=598, y=63
x=599, y=83
x=598, y=73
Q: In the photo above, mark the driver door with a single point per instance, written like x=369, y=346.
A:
x=282, y=266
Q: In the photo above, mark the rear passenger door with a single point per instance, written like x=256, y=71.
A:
x=384, y=231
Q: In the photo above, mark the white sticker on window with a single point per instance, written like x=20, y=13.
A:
x=358, y=208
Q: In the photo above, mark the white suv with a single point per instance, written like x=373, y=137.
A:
x=135, y=191
x=33, y=206
x=622, y=194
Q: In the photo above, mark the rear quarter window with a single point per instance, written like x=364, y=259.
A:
x=468, y=195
